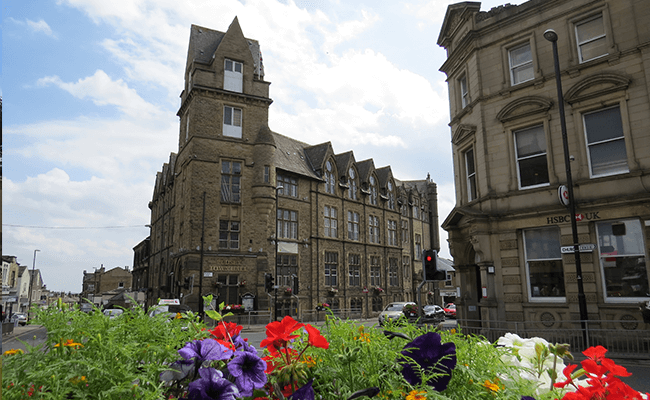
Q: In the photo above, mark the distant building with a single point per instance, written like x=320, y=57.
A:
x=102, y=284
x=508, y=232
x=345, y=231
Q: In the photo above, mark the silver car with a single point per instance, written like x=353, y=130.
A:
x=19, y=318
x=393, y=311
x=434, y=312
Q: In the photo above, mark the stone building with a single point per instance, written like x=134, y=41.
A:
x=348, y=232
x=104, y=284
x=508, y=227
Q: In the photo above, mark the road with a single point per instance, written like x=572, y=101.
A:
x=34, y=335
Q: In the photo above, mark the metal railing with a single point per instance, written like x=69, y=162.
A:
x=621, y=338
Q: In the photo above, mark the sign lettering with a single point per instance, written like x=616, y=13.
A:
x=560, y=219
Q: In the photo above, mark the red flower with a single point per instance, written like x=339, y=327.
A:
x=315, y=338
x=226, y=330
x=567, y=373
x=278, y=334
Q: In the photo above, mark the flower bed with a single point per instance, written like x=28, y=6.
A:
x=135, y=356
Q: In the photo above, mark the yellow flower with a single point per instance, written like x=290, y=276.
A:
x=416, y=395
x=309, y=361
x=77, y=379
x=364, y=337
x=13, y=352
x=69, y=343
x=491, y=385
x=453, y=330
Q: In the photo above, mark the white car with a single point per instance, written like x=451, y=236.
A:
x=393, y=311
x=19, y=318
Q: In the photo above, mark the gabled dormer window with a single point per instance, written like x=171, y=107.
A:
x=373, y=191
x=233, y=76
x=352, y=185
x=329, y=178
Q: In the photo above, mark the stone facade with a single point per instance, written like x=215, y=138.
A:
x=508, y=226
x=344, y=226
x=100, y=282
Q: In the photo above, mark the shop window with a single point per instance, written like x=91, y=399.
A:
x=530, y=146
x=544, y=263
x=622, y=259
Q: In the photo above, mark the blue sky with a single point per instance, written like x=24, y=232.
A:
x=91, y=90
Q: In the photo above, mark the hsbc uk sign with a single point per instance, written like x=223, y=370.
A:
x=559, y=219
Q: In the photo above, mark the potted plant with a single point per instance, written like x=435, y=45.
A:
x=241, y=283
x=410, y=311
x=288, y=291
x=322, y=306
x=365, y=289
x=332, y=291
x=378, y=290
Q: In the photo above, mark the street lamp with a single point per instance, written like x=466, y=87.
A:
x=31, y=283
x=552, y=37
x=277, y=237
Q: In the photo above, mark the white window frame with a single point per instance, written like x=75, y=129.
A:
x=229, y=234
x=231, y=176
x=464, y=91
x=580, y=44
x=520, y=159
x=600, y=143
x=330, y=222
x=233, y=76
x=287, y=224
x=470, y=175
x=392, y=233
x=353, y=225
x=232, y=121
x=528, y=64
x=625, y=247
x=549, y=256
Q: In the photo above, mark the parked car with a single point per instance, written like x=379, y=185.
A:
x=450, y=310
x=169, y=307
x=18, y=317
x=113, y=313
x=393, y=311
x=434, y=312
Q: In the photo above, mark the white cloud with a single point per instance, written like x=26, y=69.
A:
x=102, y=90
x=39, y=26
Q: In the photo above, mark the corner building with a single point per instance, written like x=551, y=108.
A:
x=350, y=233
x=508, y=227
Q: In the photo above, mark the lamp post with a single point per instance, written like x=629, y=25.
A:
x=552, y=37
x=277, y=237
x=31, y=283
x=201, y=310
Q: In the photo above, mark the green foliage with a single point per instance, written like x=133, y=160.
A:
x=90, y=356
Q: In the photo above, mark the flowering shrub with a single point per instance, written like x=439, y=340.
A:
x=135, y=356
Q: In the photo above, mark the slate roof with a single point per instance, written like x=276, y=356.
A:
x=290, y=156
x=383, y=174
x=316, y=154
x=364, y=167
x=343, y=161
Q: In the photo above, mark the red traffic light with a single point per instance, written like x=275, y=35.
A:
x=429, y=258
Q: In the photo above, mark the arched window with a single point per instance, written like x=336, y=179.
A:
x=391, y=196
x=329, y=178
x=352, y=184
x=373, y=191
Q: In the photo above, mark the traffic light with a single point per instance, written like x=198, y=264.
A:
x=294, y=284
x=268, y=282
x=430, y=267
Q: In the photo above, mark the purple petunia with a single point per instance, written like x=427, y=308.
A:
x=431, y=356
x=248, y=371
x=205, y=350
x=306, y=392
x=212, y=386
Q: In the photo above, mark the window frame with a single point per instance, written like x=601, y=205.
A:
x=610, y=140
x=233, y=79
x=287, y=228
x=373, y=229
x=582, y=21
x=471, y=189
x=354, y=270
x=615, y=253
x=353, y=187
x=463, y=89
x=229, y=184
x=353, y=234
x=231, y=229
x=556, y=260
x=331, y=262
x=289, y=185
x=372, y=181
x=330, y=181
x=287, y=264
x=330, y=221
x=391, y=228
x=519, y=159
x=393, y=272
x=233, y=120
x=375, y=271
x=528, y=64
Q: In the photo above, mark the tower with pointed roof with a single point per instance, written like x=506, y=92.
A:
x=238, y=201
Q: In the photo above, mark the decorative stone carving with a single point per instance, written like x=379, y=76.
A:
x=510, y=262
